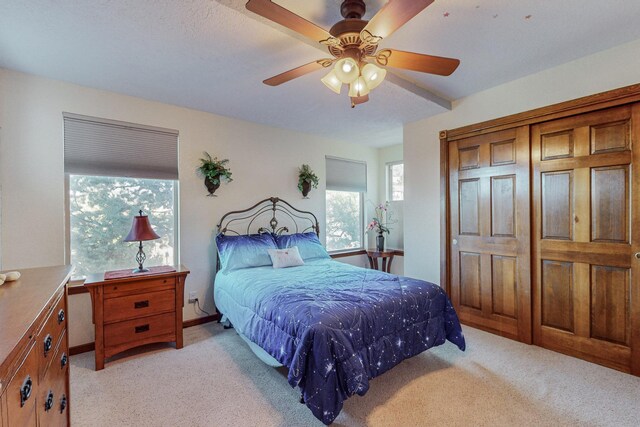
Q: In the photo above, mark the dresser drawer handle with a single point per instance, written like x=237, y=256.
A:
x=25, y=390
x=48, y=404
x=63, y=403
x=63, y=360
x=60, y=316
x=141, y=304
x=141, y=329
x=48, y=342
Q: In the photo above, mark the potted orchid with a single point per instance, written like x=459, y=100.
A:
x=381, y=225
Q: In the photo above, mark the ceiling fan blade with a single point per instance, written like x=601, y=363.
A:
x=357, y=100
x=298, y=72
x=417, y=62
x=393, y=15
x=276, y=13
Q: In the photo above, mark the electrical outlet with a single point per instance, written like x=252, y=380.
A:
x=192, y=297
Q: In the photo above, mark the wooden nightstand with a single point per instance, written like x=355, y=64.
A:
x=134, y=311
x=386, y=255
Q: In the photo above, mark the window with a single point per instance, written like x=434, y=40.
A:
x=346, y=185
x=114, y=169
x=395, y=181
x=345, y=225
x=101, y=211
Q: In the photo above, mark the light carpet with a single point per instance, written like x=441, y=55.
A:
x=215, y=380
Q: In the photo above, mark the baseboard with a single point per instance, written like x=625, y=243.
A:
x=90, y=346
x=82, y=348
x=200, y=320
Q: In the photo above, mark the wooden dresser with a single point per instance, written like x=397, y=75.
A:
x=34, y=369
x=134, y=311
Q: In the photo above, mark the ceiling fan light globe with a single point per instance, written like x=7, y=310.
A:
x=332, y=82
x=358, y=88
x=341, y=72
x=373, y=75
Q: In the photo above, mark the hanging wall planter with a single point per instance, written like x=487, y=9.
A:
x=306, y=179
x=214, y=171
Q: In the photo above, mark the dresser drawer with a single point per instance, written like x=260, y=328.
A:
x=139, y=286
x=140, y=305
x=138, y=330
x=53, y=395
x=49, y=336
x=22, y=392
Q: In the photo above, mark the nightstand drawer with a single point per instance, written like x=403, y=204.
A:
x=119, y=333
x=139, y=286
x=140, y=305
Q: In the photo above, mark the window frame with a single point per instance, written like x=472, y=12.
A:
x=389, y=178
x=67, y=219
x=361, y=226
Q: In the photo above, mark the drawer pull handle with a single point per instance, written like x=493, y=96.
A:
x=63, y=360
x=25, y=390
x=141, y=304
x=48, y=342
x=141, y=329
x=60, y=316
x=63, y=403
x=48, y=404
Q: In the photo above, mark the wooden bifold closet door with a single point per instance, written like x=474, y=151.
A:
x=586, y=236
x=490, y=228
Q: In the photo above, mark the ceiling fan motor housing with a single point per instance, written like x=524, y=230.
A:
x=353, y=9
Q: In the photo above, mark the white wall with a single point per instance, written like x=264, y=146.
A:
x=264, y=162
x=395, y=239
x=600, y=72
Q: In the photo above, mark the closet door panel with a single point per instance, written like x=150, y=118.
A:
x=585, y=235
x=490, y=225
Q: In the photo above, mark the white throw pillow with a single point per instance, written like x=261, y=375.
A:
x=282, y=258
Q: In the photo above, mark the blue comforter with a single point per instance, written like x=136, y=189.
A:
x=336, y=326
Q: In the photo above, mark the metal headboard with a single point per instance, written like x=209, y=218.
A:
x=281, y=215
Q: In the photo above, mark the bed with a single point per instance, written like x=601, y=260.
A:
x=333, y=325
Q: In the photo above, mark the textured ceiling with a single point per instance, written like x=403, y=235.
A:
x=211, y=56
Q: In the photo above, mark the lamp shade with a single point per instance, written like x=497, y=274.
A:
x=346, y=70
x=141, y=230
x=332, y=82
x=373, y=75
x=358, y=88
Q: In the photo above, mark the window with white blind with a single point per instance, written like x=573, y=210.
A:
x=346, y=185
x=113, y=169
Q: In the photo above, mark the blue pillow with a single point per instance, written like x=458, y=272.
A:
x=308, y=245
x=237, y=252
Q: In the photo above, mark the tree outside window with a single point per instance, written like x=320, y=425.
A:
x=344, y=220
x=101, y=211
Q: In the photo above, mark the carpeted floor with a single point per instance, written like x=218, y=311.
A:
x=215, y=380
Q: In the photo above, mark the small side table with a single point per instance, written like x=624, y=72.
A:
x=134, y=311
x=387, y=258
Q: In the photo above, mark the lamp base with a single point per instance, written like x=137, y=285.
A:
x=140, y=270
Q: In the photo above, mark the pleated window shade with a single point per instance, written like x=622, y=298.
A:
x=346, y=175
x=95, y=146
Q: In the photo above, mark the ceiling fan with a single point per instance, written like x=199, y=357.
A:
x=353, y=44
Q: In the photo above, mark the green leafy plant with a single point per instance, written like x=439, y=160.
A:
x=305, y=174
x=214, y=169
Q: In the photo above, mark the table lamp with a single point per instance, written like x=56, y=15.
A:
x=141, y=231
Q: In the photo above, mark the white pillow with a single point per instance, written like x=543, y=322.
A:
x=282, y=258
